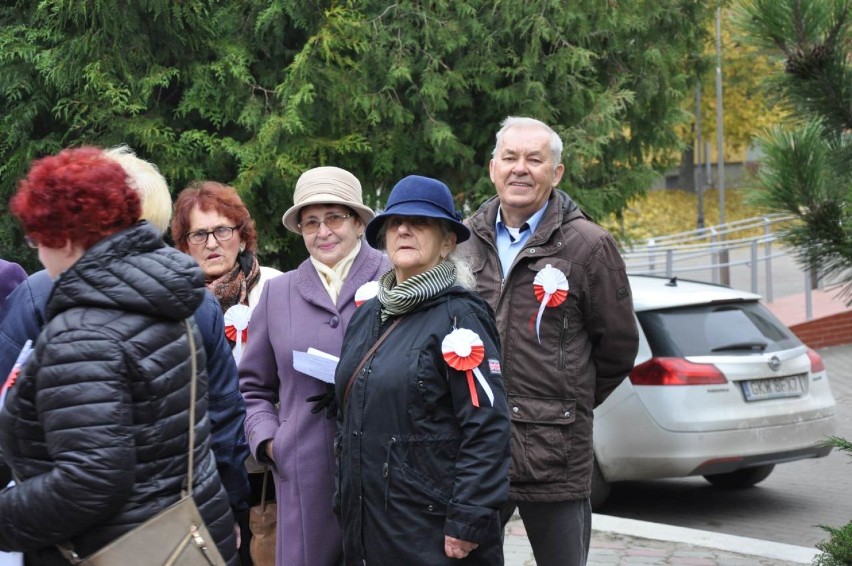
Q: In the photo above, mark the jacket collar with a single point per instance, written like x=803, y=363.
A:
x=132, y=270
x=365, y=267
x=561, y=209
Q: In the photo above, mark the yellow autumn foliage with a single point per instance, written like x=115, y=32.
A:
x=670, y=211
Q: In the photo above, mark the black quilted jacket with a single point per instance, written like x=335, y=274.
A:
x=95, y=428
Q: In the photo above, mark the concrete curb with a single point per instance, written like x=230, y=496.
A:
x=705, y=539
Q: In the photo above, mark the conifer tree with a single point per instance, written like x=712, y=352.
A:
x=807, y=168
x=254, y=92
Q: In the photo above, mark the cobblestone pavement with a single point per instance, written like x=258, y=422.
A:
x=610, y=548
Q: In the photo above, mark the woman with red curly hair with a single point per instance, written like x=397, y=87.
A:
x=93, y=421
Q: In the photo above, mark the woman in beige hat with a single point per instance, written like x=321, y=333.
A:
x=309, y=307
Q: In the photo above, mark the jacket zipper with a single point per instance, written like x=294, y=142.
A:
x=386, y=469
x=562, y=342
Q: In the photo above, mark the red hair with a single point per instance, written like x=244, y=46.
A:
x=79, y=195
x=207, y=196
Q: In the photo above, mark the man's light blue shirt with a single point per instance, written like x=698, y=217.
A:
x=510, y=241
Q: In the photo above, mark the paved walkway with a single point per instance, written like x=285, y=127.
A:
x=792, y=309
x=627, y=542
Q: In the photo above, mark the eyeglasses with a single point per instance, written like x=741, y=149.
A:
x=31, y=243
x=221, y=233
x=332, y=222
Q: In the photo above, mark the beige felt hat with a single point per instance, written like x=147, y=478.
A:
x=326, y=185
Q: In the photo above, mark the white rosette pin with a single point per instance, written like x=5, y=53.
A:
x=236, y=328
x=463, y=350
x=366, y=292
x=551, y=289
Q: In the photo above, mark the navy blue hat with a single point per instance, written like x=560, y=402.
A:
x=419, y=196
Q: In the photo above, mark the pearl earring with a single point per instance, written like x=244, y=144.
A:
x=242, y=248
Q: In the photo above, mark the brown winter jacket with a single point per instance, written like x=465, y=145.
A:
x=588, y=343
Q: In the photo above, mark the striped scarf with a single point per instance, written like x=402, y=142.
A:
x=400, y=299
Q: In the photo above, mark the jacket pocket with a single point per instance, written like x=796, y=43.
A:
x=421, y=470
x=279, y=458
x=542, y=431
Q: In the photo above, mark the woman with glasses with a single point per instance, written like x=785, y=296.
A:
x=308, y=307
x=211, y=223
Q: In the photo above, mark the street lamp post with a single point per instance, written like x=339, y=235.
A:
x=725, y=271
x=699, y=148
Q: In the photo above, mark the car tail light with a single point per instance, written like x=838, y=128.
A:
x=816, y=361
x=675, y=371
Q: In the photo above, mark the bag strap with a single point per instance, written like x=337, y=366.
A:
x=366, y=357
x=266, y=475
x=193, y=391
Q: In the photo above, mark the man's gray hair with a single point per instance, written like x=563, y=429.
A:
x=522, y=121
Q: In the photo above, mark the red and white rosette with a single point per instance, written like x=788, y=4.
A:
x=463, y=351
x=366, y=292
x=236, y=327
x=551, y=290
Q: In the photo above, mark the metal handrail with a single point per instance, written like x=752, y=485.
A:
x=675, y=254
x=730, y=244
x=680, y=239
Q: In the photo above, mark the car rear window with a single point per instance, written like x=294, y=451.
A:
x=716, y=329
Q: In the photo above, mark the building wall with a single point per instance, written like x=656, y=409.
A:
x=735, y=177
x=834, y=330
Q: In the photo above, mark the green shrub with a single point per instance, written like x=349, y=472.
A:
x=837, y=550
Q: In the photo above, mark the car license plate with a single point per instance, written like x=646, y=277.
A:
x=773, y=388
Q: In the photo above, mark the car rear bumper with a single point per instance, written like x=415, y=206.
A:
x=648, y=451
x=725, y=465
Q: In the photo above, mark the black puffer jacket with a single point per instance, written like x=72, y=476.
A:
x=416, y=460
x=95, y=427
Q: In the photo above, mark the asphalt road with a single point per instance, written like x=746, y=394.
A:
x=787, y=507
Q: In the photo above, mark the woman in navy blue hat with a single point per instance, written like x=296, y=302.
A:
x=423, y=445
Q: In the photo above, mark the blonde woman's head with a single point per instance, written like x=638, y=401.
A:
x=149, y=183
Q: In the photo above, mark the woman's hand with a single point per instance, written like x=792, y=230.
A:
x=325, y=401
x=455, y=548
x=268, y=449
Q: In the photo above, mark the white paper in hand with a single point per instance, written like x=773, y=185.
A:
x=316, y=363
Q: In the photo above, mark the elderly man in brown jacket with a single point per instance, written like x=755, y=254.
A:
x=558, y=286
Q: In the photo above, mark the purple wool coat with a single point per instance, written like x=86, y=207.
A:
x=295, y=313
